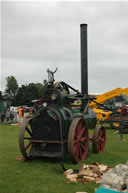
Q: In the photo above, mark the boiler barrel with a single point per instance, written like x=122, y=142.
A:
x=90, y=118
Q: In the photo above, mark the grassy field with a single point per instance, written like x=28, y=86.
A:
x=46, y=175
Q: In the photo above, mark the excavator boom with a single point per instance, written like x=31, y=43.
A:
x=108, y=95
x=102, y=113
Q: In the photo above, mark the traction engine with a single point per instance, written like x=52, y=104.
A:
x=59, y=125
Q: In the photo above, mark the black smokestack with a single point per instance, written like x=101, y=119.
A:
x=84, y=59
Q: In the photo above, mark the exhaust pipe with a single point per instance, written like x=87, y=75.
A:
x=84, y=59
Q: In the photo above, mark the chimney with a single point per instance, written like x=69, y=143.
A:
x=84, y=59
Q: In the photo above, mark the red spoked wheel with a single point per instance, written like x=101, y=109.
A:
x=99, y=139
x=78, y=140
x=25, y=137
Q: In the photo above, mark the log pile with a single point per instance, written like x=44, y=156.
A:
x=87, y=173
x=115, y=179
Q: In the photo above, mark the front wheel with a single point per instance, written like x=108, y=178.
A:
x=99, y=139
x=25, y=137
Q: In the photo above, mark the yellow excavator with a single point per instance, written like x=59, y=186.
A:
x=104, y=107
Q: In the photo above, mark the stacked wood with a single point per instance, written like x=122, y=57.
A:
x=87, y=173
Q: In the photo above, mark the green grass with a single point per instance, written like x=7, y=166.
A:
x=46, y=175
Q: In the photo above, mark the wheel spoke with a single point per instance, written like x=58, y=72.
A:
x=99, y=146
x=75, y=141
x=30, y=133
x=27, y=146
x=83, y=147
x=80, y=153
x=82, y=131
x=79, y=132
x=80, y=125
x=28, y=138
x=77, y=151
x=76, y=137
x=99, y=135
x=103, y=134
x=79, y=128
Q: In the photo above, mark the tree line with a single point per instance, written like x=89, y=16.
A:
x=24, y=94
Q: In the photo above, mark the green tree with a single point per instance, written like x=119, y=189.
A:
x=12, y=87
x=41, y=87
x=21, y=95
x=32, y=93
x=27, y=93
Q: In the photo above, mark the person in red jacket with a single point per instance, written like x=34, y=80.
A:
x=123, y=111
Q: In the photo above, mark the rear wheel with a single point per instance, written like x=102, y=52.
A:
x=78, y=140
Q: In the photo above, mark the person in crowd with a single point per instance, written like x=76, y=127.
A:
x=3, y=115
x=7, y=115
x=123, y=111
x=11, y=116
x=20, y=115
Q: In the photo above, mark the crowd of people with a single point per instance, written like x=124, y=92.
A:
x=10, y=116
x=7, y=116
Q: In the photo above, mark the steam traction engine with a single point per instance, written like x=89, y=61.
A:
x=59, y=126
x=60, y=121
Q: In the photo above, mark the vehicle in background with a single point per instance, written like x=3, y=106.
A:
x=105, y=107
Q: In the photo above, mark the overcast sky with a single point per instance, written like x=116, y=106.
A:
x=37, y=35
